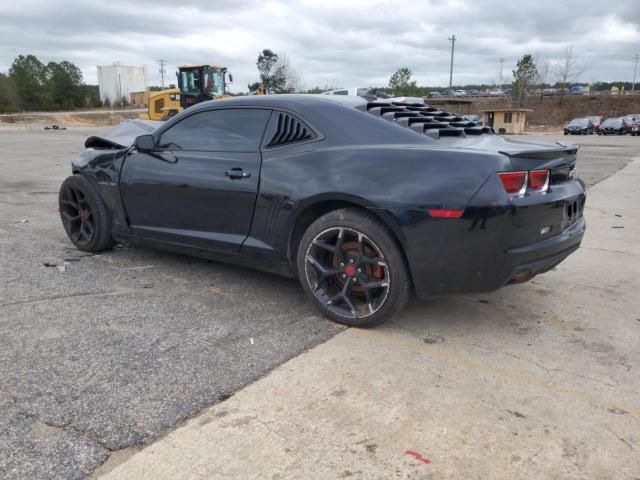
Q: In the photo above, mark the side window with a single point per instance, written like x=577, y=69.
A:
x=341, y=92
x=218, y=130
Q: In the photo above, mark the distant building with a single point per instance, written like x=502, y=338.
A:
x=506, y=120
x=455, y=105
x=117, y=81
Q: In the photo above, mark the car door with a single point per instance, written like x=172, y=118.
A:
x=199, y=186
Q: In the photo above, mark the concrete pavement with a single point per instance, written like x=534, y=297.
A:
x=534, y=381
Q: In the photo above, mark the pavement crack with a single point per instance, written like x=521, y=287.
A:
x=272, y=430
x=533, y=362
x=68, y=426
x=589, y=207
x=626, y=443
x=611, y=251
x=547, y=369
x=73, y=295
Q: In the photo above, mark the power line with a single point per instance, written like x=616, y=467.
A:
x=452, y=39
x=635, y=68
x=162, y=70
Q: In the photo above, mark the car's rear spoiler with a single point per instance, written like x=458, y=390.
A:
x=544, y=153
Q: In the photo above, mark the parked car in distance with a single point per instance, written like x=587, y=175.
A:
x=579, y=126
x=613, y=126
x=579, y=89
x=596, y=121
x=362, y=201
x=635, y=130
x=630, y=121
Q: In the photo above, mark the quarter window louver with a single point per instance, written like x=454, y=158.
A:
x=425, y=119
x=289, y=130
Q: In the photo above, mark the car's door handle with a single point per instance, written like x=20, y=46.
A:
x=236, y=173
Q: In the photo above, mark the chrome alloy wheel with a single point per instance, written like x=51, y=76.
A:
x=347, y=272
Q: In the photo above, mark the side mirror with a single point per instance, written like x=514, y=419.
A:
x=230, y=78
x=145, y=143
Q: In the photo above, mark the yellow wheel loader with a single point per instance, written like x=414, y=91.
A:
x=196, y=83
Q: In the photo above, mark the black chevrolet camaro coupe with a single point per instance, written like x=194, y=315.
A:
x=362, y=201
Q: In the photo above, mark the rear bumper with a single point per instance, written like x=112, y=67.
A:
x=493, y=246
x=542, y=256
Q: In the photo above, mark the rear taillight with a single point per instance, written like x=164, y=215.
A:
x=539, y=180
x=515, y=183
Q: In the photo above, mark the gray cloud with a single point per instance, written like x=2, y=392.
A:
x=330, y=42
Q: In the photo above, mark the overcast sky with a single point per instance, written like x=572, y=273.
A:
x=341, y=43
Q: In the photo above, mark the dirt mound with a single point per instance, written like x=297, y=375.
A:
x=71, y=119
x=557, y=110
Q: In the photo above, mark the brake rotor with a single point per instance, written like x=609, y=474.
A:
x=351, y=250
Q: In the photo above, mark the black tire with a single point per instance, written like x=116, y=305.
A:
x=365, y=264
x=84, y=215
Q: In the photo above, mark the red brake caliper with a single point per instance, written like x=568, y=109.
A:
x=378, y=272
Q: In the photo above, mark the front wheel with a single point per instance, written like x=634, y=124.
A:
x=352, y=268
x=84, y=215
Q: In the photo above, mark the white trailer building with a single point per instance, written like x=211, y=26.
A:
x=117, y=81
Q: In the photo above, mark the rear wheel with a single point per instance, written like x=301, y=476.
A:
x=352, y=268
x=84, y=215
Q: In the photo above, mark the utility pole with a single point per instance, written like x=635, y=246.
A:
x=452, y=39
x=501, y=65
x=635, y=68
x=120, y=90
x=162, y=70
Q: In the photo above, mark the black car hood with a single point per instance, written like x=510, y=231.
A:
x=122, y=135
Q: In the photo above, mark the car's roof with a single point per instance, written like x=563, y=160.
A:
x=284, y=101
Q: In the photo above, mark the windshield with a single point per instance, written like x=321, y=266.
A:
x=212, y=81
x=578, y=123
x=612, y=122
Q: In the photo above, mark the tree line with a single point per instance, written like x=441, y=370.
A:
x=30, y=85
x=531, y=76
